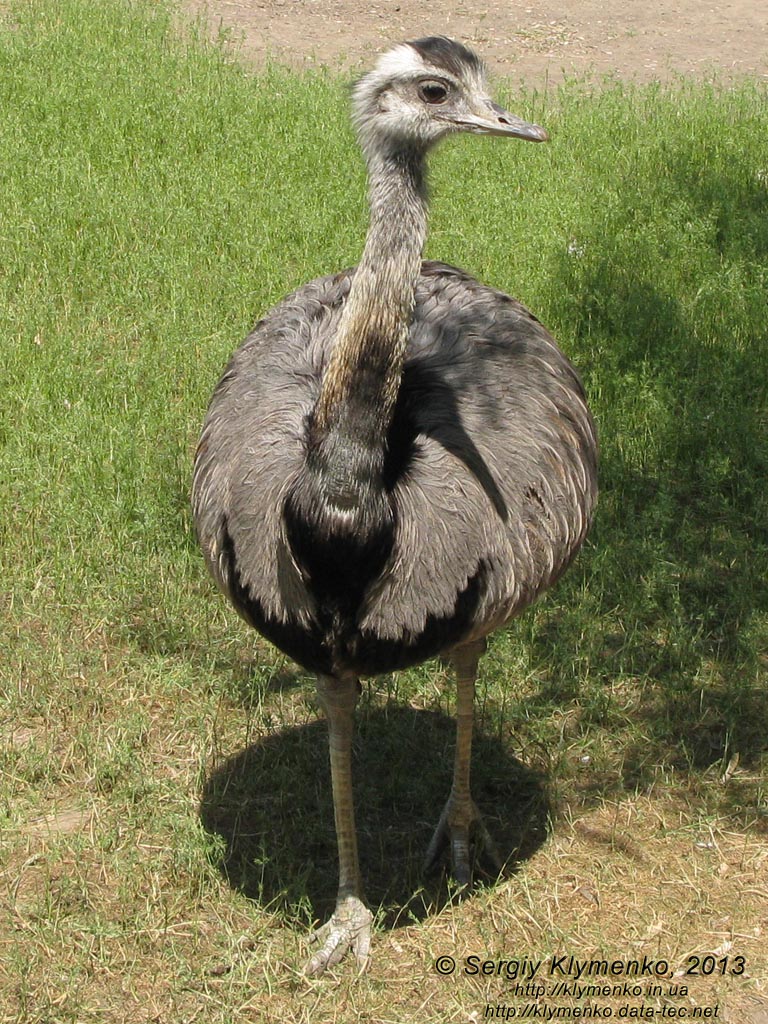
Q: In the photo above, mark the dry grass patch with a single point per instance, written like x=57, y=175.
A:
x=123, y=907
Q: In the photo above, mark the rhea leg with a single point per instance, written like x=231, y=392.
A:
x=350, y=924
x=460, y=813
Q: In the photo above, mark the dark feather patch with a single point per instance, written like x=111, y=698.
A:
x=375, y=655
x=453, y=57
x=335, y=644
x=339, y=557
x=305, y=645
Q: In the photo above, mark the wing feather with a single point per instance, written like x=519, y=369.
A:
x=499, y=480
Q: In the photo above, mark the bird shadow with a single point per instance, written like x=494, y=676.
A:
x=271, y=805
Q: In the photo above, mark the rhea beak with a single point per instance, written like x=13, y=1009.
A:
x=488, y=118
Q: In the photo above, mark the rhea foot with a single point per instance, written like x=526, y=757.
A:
x=457, y=822
x=349, y=927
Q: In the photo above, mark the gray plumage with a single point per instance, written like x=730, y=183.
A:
x=501, y=476
x=398, y=459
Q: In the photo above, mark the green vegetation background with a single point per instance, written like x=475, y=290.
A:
x=156, y=198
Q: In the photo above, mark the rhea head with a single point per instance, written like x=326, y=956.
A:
x=420, y=91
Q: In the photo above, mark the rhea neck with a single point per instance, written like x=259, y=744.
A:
x=362, y=377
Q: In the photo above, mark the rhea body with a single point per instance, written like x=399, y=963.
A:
x=398, y=459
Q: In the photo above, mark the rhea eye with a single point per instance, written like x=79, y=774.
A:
x=433, y=92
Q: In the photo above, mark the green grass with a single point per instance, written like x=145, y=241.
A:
x=164, y=787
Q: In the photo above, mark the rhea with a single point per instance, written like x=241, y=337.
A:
x=398, y=459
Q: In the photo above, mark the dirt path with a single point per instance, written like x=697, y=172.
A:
x=643, y=39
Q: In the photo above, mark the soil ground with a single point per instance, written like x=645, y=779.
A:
x=536, y=43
